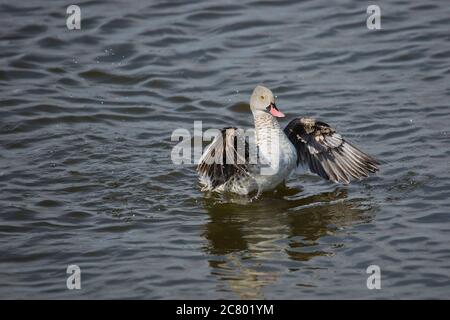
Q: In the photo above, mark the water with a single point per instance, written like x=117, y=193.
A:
x=86, y=177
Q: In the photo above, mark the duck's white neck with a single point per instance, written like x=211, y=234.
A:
x=264, y=123
x=265, y=120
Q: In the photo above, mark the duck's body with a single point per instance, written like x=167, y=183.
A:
x=231, y=164
x=278, y=162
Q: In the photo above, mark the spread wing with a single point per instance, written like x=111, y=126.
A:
x=326, y=153
x=226, y=158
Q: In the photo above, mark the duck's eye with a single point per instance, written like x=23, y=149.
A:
x=262, y=97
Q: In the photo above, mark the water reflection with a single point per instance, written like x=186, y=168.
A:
x=248, y=240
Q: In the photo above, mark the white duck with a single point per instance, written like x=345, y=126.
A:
x=232, y=163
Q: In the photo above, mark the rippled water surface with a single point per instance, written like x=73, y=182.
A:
x=85, y=140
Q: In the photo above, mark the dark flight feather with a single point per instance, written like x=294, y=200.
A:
x=326, y=153
x=226, y=158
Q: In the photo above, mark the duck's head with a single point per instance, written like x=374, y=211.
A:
x=262, y=100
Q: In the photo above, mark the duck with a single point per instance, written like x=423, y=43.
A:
x=261, y=158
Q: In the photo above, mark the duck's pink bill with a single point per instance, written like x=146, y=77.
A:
x=276, y=113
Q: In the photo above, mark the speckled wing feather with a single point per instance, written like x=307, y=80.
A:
x=226, y=158
x=326, y=153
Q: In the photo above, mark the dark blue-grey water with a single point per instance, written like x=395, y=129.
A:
x=86, y=177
